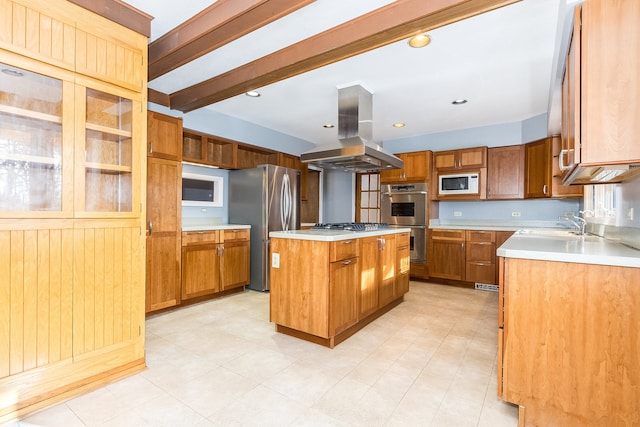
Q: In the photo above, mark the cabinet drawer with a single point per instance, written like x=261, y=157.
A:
x=403, y=239
x=481, y=236
x=481, y=252
x=343, y=249
x=440, y=234
x=200, y=237
x=481, y=272
x=235, y=234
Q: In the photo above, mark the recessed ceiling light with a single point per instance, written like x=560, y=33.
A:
x=421, y=40
x=459, y=102
x=253, y=93
x=399, y=125
x=328, y=126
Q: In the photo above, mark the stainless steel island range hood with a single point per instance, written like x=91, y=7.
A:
x=354, y=151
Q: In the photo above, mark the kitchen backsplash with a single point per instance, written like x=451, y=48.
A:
x=509, y=210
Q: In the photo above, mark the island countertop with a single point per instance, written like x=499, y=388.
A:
x=334, y=235
x=563, y=246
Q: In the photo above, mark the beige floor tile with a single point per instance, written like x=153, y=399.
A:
x=431, y=361
x=57, y=416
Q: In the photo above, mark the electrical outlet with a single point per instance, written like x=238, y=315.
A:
x=275, y=260
x=630, y=214
x=457, y=213
x=515, y=213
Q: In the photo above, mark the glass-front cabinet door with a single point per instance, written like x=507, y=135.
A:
x=105, y=123
x=36, y=144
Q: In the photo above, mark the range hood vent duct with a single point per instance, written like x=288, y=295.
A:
x=354, y=151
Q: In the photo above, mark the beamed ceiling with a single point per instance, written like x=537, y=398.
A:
x=497, y=53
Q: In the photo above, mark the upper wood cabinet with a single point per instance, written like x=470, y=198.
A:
x=199, y=147
x=505, y=172
x=542, y=172
x=467, y=158
x=164, y=136
x=69, y=37
x=601, y=107
x=538, y=169
x=417, y=168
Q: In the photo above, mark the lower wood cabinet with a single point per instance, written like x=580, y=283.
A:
x=214, y=261
x=465, y=255
x=446, y=254
x=568, y=342
x=480, y=256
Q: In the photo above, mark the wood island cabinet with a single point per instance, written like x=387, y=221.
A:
x=72, y=162
x=403, y=263
x=505, y=172
x=417, y=168
x=325, y=291
x=567, y=330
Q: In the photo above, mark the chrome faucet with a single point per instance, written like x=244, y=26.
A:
x=577, y=222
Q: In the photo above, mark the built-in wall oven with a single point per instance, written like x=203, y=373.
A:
x=405, y=205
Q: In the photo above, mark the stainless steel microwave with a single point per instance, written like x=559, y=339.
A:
x=462, y=183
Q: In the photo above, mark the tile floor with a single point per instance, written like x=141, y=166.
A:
x=429, y=362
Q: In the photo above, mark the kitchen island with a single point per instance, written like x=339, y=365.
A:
x=568, y=337
x=328, y=284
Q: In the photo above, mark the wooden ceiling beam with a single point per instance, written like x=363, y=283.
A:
x=217, y=25
x=388, y=24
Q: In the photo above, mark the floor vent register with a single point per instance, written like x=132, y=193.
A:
x=486, y=287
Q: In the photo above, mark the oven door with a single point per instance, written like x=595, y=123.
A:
x=417, y=242
x=404, y=208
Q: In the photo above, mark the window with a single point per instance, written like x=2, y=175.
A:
x=368, y=197
x=601, y=200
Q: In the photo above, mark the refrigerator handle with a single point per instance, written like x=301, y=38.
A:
x=285, y=202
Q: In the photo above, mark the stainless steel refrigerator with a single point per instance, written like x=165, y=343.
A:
x=268, y=199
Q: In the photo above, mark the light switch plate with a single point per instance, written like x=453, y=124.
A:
x=275, y=260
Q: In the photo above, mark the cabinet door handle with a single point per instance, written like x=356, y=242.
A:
x=150, y=147
x=199, y=232
x=347, y=242
x=347, y=262
x=561, y=164
x=544, y=189
x=150, y=227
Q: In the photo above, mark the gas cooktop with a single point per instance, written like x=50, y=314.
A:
x=352, y=226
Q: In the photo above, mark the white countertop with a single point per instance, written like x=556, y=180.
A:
x=563, y=246
x=203, y=227
x=333, y=235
